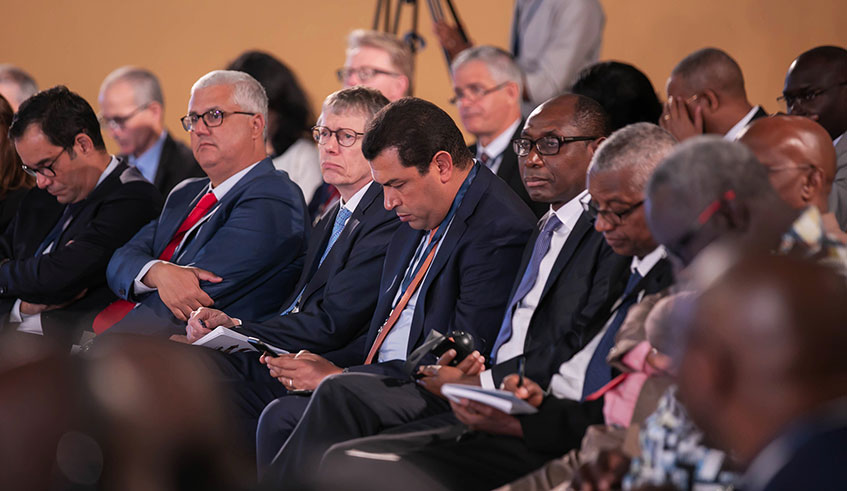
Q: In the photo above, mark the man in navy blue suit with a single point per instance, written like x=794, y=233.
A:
x=450, y=270
x=234, y=240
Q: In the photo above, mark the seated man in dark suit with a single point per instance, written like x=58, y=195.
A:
x=330, y=309
x=500, y=447
x=779, y=406
x=133, y=111
x=488, y=84
x=234, y=240
x=450, y=270
x=53, y=255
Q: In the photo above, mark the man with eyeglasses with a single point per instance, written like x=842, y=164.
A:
x=234, y=240
x=379, y=61
x=132, y=110
x=816, y=87
x=501, y=447
x=706, y=95
x=487, y=86
x=332, y=305
x=53, y=255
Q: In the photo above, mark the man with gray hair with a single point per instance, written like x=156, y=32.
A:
x=487, y=87
x=379, y=61
x=706, y=94
x=185, y=260
x=132, y=109
x=16, y=85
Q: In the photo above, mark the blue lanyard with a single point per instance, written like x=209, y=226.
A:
x=441, y=229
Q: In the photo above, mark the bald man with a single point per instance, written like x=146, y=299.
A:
x=800, y=162
x=780, y=406
x=706, y=94
x=816, y=87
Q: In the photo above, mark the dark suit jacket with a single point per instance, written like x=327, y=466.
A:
x=109, y=216
x=340, y=296
x=511, y=174
x=586, y=278
x=559, y=424
x=467, y=285
x=254, y=239
x=176, y=164
x=815, y=461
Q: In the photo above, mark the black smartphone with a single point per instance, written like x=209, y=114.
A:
x=261, y=346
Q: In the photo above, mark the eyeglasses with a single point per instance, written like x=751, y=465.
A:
x=344, y=136
x=614, y=217
x=212, y=118
x=680, y=244
x=474, y=92
x=119, y=122
x=363, y=73
x=805, y=96
x=774, y=170
x=46, y=171
x=546, y=145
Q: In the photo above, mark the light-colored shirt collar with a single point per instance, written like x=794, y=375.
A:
x=840, y=137
x=148, y=162
x=569, y=213
x=356, y=198
x=646, y=263
x=221, y=189
x=499, y=144
x=733, y=132
x=109, y=168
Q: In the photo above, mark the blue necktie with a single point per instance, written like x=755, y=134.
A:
x=530, y=276
x=599, y=373
x=337, y=228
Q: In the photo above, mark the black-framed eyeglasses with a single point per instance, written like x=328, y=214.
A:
x=363, y=73
x=678, y=246
x=474, y=92
x=610, y=216
x=344, y=136
x=778, y=169
x=118, y=122
x=546, y=145
x=212, y=118
x=805, y=96
x=45, y=170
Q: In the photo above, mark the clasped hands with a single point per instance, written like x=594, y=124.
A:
x=179, y=287
x=301, y=371
x=477, y=416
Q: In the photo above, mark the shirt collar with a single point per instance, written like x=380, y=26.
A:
x=148, y=162
x=837, y=140
x=356, y=198
x=646, y=263
x=569, y=213
x=499, y=144
x=109, y=168
x=221, y=189
x=735, y=130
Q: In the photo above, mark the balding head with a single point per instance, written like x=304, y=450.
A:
x=816, y=87
x=798, y=156
x=766, y=346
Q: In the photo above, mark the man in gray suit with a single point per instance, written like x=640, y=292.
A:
x=816, y=87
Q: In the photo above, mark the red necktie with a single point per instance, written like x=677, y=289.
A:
x=118, y=309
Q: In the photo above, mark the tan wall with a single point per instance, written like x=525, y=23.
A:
x=78, y=42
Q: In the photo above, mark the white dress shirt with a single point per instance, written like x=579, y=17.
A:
x=733, y=132
x=568, y=382
x=497, y=146
x=568, y=214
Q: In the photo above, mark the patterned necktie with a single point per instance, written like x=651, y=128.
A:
x=485, y=159
x=118, y=309
x=337, y=228
x=530, y=276
x=599, y=373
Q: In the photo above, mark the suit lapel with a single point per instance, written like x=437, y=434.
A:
x=102, y=189
x=581, y=228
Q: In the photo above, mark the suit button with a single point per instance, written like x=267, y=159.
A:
x=2, y=290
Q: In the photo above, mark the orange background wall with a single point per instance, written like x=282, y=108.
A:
x=78, y=42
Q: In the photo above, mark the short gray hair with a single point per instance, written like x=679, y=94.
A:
x=26, y=84
x=398, y=51
x=702, y=169
x=364, y=100
x=500, y=64
x=145, y=85
x=638, y=146
x=248, y=93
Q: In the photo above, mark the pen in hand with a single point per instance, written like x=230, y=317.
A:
x=521, y=363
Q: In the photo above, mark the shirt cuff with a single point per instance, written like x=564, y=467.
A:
x=486, y=380
x=139, y=288
x=15, y=314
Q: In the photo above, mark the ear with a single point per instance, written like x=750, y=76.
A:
x=512, y=91
x=711, y=100
x=83, y=144
x=812, y=184
x=156, y=110
x=257, y=128
x=443, y=163
x=735, y=215
x=403, y=85
x=592, y=146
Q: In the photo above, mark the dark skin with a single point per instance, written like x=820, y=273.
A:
x=820, y=75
